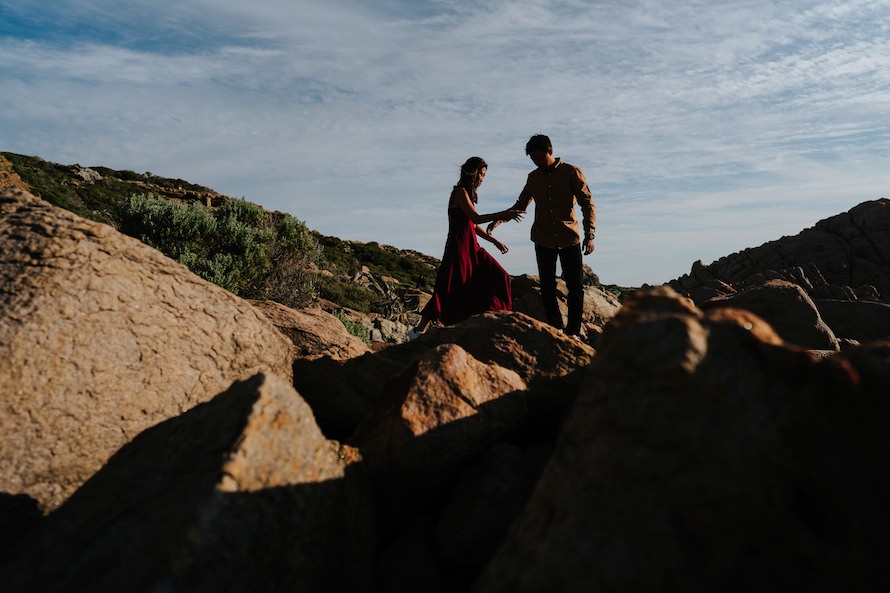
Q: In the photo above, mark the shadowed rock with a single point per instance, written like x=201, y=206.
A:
x=242, y=493
x=703, y=454
x=484, y=503
x=787, y=308
x=101, y=337
x=856, y=320
x=845, y=257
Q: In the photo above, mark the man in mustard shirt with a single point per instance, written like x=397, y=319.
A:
x=556, y=186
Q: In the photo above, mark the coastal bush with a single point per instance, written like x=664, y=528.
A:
x=354, y=327
x=239, y=246
x=347, y=294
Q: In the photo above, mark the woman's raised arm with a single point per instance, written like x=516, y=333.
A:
x=461, y=199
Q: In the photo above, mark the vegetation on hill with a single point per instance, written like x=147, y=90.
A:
x=230, y=242
x=92, y=192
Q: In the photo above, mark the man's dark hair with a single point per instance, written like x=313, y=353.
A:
x=537, y=142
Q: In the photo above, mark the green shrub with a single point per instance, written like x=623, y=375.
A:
x=346, y=294
x=239, y=246
x=174, y=228
x=353, y=327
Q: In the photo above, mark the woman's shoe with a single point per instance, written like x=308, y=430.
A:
x=413, y=334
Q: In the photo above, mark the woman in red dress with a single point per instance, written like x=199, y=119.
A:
x=469, y=280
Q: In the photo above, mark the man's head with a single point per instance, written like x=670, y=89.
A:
x=540, y=150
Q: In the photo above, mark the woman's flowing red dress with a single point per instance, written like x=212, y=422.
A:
x=469, y=280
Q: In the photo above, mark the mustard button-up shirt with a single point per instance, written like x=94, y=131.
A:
x=555, y=191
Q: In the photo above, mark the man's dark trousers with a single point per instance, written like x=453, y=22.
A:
x=570, y=261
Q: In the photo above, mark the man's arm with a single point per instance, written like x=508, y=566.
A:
x=588, y=209
x=521, y=204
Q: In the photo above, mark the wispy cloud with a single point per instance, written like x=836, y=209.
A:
x=703, y=127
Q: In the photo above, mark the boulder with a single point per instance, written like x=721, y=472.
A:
x=600, y=306
x=858, y=320
x=101, y=337
x=342, y=393
x=445, y=408
x=787, y=308
x=408, y=563
x=242, y=493
x=484, y=502
x=704, y=454
x=313, y=331
x=386, y=331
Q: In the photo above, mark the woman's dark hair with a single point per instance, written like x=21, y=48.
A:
x=537, y=142
x=469, y=175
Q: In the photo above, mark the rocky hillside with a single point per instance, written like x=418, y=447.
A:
x=835, y=275
x=162, y=434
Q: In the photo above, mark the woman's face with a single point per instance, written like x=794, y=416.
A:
x=481, y=177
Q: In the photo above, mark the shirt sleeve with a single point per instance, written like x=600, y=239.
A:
x=524, y=199
x=585, y=200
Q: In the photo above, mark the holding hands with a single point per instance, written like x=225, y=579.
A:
x=500, y=217
x=505, y=216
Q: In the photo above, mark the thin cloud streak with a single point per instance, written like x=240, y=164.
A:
x=702, y=127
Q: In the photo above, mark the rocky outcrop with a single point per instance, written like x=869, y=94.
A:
x=704, y=454
x=313, y=331
x=844, y=257
x=696, y=449
x=102, y=337
x=9, y=179
x=242, y=493
x=342, y=393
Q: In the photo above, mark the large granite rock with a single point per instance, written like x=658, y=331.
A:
x=242, y=493
x=787, y=308
x=101, y=337
x=704, y=454
x=343, y=393
x=859, y=320
x=430, y=421
x=313, y=331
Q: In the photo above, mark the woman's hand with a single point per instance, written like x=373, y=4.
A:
x=501, y=247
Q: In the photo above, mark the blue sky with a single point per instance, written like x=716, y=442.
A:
x=703, y=127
